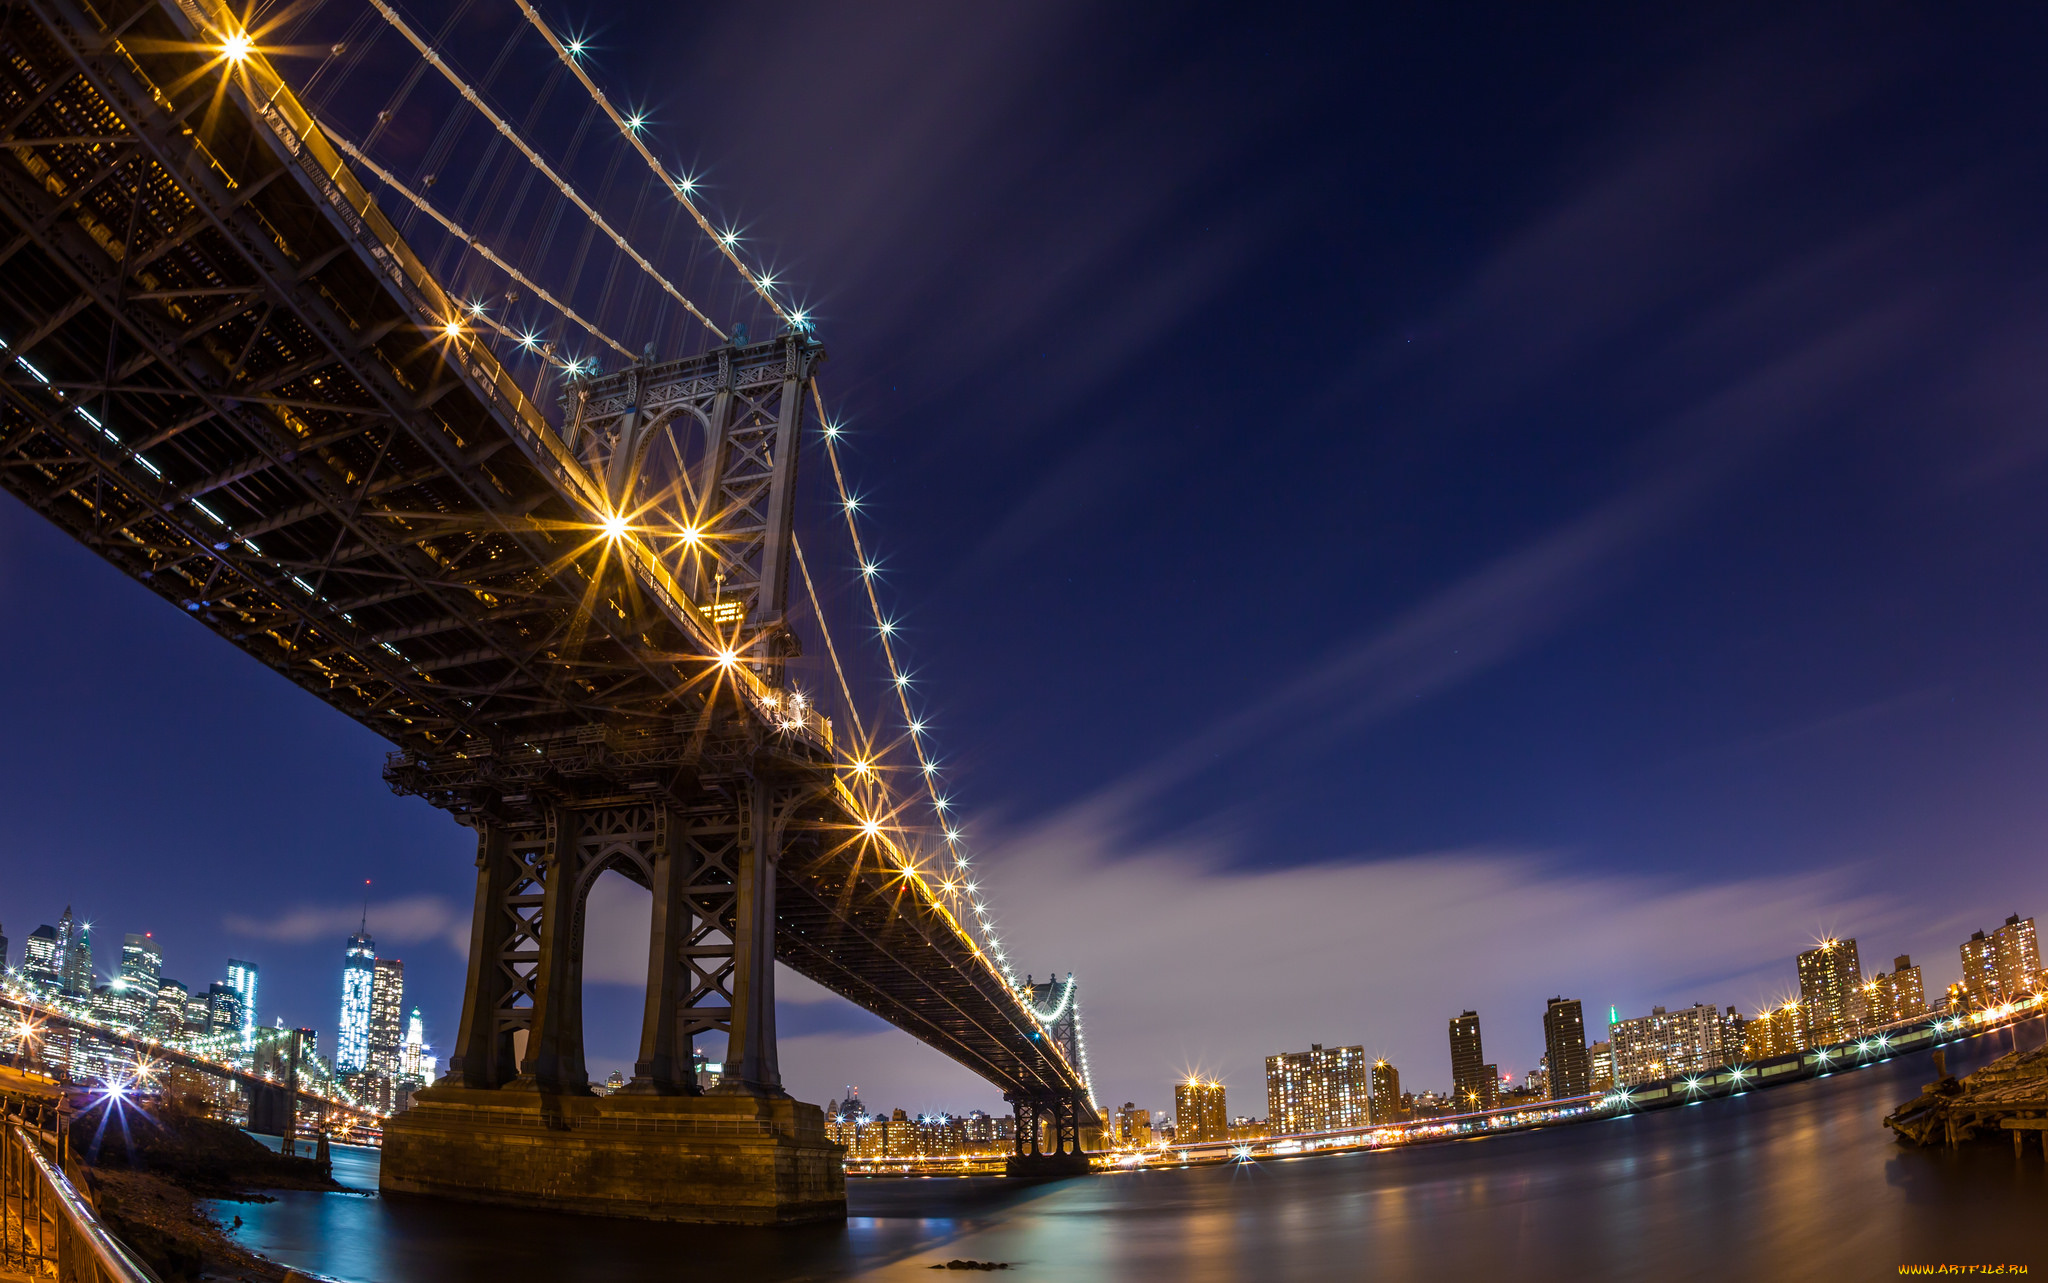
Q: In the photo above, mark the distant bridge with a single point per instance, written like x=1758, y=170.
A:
x=257, y=1087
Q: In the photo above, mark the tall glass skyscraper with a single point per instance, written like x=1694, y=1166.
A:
x=74, y=951
x=142, y=967
x=387, y=999
x=242, y=979
x=358, y=978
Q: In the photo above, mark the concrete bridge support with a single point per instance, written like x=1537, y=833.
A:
x=1048, y=1144
x=515, y=1120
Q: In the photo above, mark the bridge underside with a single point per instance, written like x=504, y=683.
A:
x=225, y=373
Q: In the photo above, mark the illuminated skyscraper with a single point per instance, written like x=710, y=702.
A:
x=242, y=979
x=1386, y=1094
x=1891, y=996
x=1198, y=1113
x=1475, y=1083
x=1830, y=983
x=3, y=949
x=413, y=1064
x=1318, y=1090
x=74, y=954
x=387, y=999
x=1980, y=970
x=42, y=960
x=167, y=1015
x=1564, y=1043
x=2017, y=955
x=223, y=1009
x=134, y=989
x=358, y=978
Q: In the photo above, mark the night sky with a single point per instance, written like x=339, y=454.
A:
x=1392, y=512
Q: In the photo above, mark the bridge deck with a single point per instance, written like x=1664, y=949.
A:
x=226, y=373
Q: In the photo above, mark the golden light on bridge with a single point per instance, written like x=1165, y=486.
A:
x=614, y=526
x=237, y=46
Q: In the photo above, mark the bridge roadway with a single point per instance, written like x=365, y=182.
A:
x=226, y=373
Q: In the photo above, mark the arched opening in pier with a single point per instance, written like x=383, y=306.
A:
x=617, y=922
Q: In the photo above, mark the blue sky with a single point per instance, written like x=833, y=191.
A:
x=1391, y=514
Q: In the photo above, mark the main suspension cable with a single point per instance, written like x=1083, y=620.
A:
x=630, y=129
x=475, y=99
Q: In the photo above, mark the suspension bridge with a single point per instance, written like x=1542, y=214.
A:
x=560, y=572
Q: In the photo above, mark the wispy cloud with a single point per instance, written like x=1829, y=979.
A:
x=1379, y=951
x=404, y=921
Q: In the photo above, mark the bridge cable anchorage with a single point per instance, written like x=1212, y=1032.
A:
x=631, y=130
x=534, y=158
x=483, y=251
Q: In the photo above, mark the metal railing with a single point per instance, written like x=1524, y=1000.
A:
x=47, y=1228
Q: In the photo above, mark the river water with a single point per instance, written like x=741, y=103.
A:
x=1794, y=1182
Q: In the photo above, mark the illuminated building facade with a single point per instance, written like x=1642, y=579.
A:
x=42, y=958
x=242, y=979
x=358, y=978
x=1133, y=1126
x=1600, y=1065
x=413, y=1062
x=167, y=1013
x=74, y=955
x=2017, y=956
x=1564, y=1044
x=223, y=1009
x=1830, y=987
x=1474, y=1083
x=1776, y=1032
x=198, y=1014
x=133, y=997
x=387, y=1008
x=1198, y=1113
x=900, y=1140
x=1319, y=1090
x=1384, y=1102
x=1669, y=1044
x=1894, y=995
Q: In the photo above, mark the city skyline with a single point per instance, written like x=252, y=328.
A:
x=2000, y=963
x=137, y=990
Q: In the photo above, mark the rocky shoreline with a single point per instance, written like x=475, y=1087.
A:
x=150, y=1174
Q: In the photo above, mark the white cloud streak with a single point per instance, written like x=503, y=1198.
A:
x=402, y=921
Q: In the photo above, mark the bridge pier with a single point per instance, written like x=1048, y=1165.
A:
x=515, y=1120
x=1048, y=1143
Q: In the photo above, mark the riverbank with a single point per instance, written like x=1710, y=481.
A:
x=163, y=1179
x=1800, y=1181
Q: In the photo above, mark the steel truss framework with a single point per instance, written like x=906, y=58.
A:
x=226, y=374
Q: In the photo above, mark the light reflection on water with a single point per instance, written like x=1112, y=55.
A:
x=1794, y=1182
